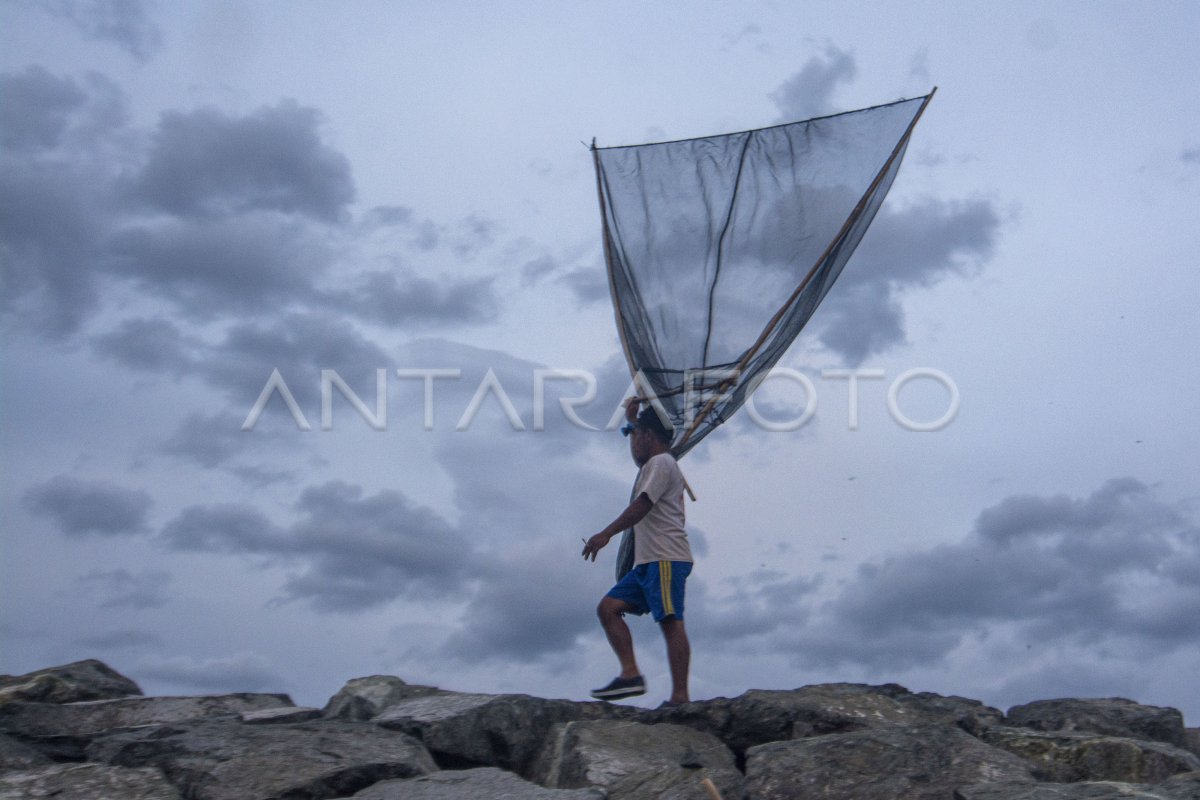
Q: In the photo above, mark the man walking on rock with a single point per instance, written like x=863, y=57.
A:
x=662, y=559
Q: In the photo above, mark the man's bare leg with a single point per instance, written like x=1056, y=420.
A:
x=619, y=637
x=679, y=656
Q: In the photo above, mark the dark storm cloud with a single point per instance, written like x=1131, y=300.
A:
x=228, y=217
x=206, y=162
x=525, y=613
x=82, y=507
x=809, y=92
x=149, y=344
x=57, y=157
x=248, y=265
x=354, y=551
x=401, y=298
x=125, y=23
x=914, y=247
x=37, y=107
x=242, y=672
x=123, y=589
x=1115, y=565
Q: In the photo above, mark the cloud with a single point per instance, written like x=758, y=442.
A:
x=251, y=265
x=354, y=551
x=1118, y=568
x=809, y=92
x=37, y=107
x=206, y=162
x=240, y=672
x=400, y=298
x=150, y=344
x=1190, y=156
x=525, y=612
x=123, y=589
x=913, y=247
x=125, y=23
x=82, y=508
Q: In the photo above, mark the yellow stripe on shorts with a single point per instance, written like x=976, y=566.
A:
x=664, y=579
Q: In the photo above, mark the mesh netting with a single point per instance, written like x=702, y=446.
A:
x=719, y=249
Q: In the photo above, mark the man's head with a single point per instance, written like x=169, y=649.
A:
x=649, y=437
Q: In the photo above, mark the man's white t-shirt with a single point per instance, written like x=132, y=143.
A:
x=660, y=536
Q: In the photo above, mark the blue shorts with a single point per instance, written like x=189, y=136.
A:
x=656, y=588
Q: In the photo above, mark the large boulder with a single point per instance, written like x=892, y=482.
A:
x=364, y=698
x=15, y=754
x=1112, y=716
x=469, y=730
x=226, y=760
x=634, y=760
x=1068, y=757
x=35, y=720
x=69, y=683
x=62, y=732
x=481, y=783
x=888, y=763
x=1192, y=736
x=1181, y=787
x=86, y=782
x=761, y=716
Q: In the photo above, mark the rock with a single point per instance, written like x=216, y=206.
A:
x=635, y=760
x=1181, y=787
x=470, y=730
x=887, y=763
x=364, y=698
x=277, y=716
x=18, y=755
x=1110, y=717
x=1068, y=757
x=226, y=760
x=69, y=683
x=86, y=782
x=760, y=716
x=35, y=720
x=482, y=783
x=1192, y=737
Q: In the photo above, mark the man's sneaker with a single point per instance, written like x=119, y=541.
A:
x=621, y=687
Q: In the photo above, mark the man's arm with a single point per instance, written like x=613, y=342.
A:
x=631, y=516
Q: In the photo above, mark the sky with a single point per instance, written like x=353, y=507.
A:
x=394, y=204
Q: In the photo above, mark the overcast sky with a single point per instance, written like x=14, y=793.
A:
x=195, y=195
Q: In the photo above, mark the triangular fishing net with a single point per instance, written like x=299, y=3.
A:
x=719, y=249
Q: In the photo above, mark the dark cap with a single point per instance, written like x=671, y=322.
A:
x=651, y=421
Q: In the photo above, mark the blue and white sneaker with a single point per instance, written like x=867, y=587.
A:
x=621, y=687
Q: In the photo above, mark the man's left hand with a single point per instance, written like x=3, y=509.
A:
x=593, y=545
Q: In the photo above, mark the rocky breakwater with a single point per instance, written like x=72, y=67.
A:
x=84, y=731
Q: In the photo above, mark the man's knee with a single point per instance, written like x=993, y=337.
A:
x=610, y=608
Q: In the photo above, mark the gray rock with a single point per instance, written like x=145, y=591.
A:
x=887, y=763
x=278, y=716
x=1192, y=736
x=482, y=783
x=469, y=730
x=761, y=716
x=1113, y=716
x=96, y=716
x=86, y=782
x=69, y=683
x=635, y=760
x=226, y=760
x=364, y=698
x=15, y=754
x=1068, y=757
x=1181, y=787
